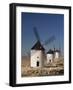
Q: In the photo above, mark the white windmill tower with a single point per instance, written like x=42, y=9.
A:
x=37, y=53
x=50, y=53
x=56, y=54
x=50, y=56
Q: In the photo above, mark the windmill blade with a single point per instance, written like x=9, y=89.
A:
x=27, y=53
x=36, y=33
x=50, y=40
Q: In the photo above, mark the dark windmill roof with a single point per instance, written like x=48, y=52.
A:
x=50, y=52
x=38, y=46
x=57, y=51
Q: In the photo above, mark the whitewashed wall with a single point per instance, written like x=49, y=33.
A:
x=36, y=55
x=49, y=58
x=57, y=54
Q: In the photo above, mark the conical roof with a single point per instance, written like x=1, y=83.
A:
x=38, y=46
x=57, y=51
x=50, y=52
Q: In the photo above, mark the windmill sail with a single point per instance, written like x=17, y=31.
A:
x=36, y=34
x=50, y=40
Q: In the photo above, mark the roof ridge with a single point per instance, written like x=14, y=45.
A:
x=38, y=46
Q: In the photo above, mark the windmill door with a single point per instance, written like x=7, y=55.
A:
x=37, y=63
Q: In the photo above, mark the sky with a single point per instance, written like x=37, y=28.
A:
x=47, y=25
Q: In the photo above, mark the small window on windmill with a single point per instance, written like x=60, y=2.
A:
x=37, y=57
x=50, y=60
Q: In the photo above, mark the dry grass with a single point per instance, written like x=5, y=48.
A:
x=50, y=69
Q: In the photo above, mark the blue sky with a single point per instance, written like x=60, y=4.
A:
x=47, y=25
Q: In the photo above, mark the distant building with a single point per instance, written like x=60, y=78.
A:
x=37, y=55
x=56, y=54
x=50, y=56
